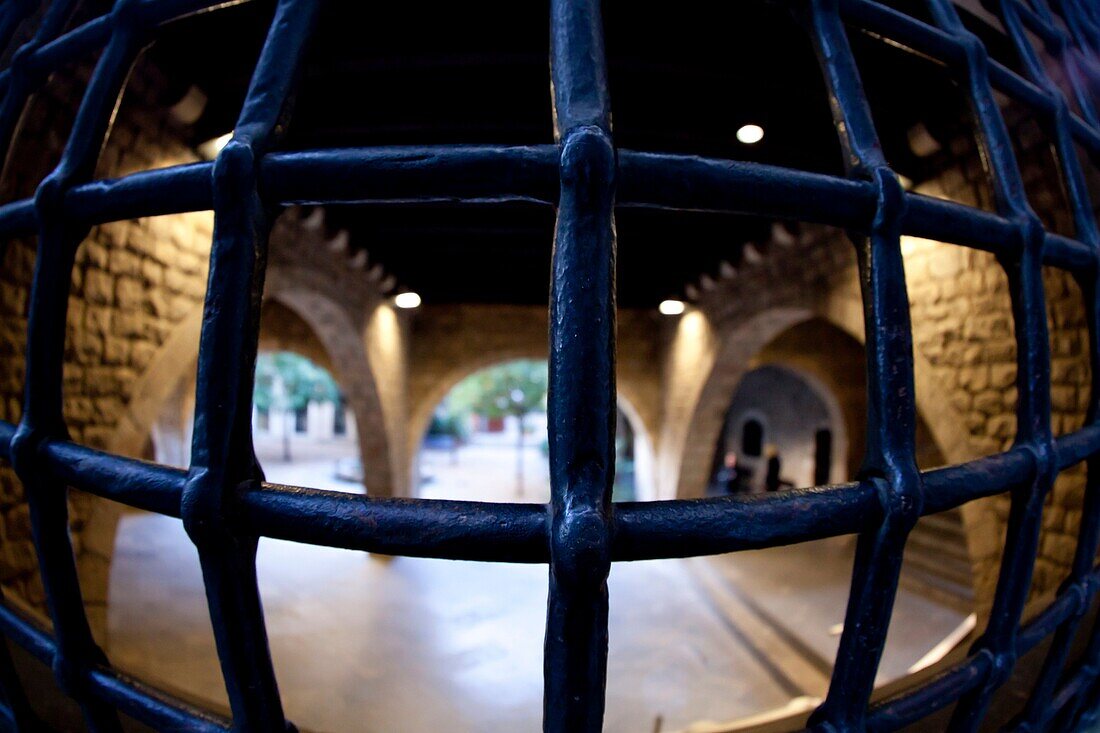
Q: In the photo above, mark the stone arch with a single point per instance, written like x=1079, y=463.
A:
x=645, y=479
x=523, y=343
x=818, y=394
x=424, y=405
x=841, y=383
x=760, y=340
x=720, y=361
x=333, y=290
x=344, y=345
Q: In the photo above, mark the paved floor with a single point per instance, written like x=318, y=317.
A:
x=369, y=644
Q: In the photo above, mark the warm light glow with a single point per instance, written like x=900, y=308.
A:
x=211, y=148
x=912, y=245
x=407, y=300
x=750, y=134
x=671, y=307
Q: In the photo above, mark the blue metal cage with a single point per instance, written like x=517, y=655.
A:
x=225, y=507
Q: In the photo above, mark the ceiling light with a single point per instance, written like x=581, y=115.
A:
x=671, y=307
x=750, y=134
x=407, y=300
x=211, y=148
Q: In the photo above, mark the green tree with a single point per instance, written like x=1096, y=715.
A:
x=516, y=388
x=286, y=383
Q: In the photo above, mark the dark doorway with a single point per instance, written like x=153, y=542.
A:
x=340, y=417
x=752, y=438
x=823, y=456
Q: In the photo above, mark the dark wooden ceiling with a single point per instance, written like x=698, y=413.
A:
x=683, y=81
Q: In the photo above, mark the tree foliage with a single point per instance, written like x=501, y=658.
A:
x=514, y=388
x=301, y=382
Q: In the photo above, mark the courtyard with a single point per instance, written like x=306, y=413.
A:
x=380, y=644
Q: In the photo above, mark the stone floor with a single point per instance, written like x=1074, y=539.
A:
x=370, y=644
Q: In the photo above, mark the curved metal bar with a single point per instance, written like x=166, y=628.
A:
x=225, y=508
x=222, y=453
x=641, y=530
x=139, y=484
x=120, y=691
x=454, y=530
x=398, y=174
x=491, y=174
x=896, y=713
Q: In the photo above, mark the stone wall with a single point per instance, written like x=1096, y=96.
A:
x=134, y=285
x=964, y=358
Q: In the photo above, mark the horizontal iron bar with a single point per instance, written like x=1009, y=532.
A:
x=145, y=704
x=453, y=530
x=397, y=174
x=685, y=182
x=488, y=174
x=1062, y=609
x=158, y=192
x=140, y=484
x=506, y=532
x=896, y=713
x=1075, y=447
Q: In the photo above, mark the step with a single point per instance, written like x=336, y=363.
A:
x=946, y=524
x=931, y=544
x=937, y=589
x=953, y=570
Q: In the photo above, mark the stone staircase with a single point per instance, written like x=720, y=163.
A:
x=937, y=563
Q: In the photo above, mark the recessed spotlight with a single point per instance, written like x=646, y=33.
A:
x=750, y=134
x=407, y=300
x=671, y=307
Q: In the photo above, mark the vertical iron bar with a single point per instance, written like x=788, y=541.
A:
x=582, y=375
x=42, y=418
x=1038, y=711
x=20, y=82
x=1033, y=431
x=891, y=416
x=222, y=453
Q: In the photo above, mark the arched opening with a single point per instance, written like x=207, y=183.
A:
x=795, y=418
x=144, y=548
x=777, y=425
x=296, y=407
x=486, y=440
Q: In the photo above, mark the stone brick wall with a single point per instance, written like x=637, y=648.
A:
x=133, y=286
x=963, y=339
x=962, y=326
x=340, y=320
